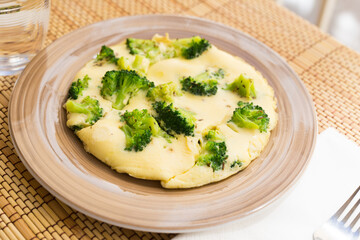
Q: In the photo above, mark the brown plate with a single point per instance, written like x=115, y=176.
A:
x=57, y=159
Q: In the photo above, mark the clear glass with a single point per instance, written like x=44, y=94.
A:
x=23, y=28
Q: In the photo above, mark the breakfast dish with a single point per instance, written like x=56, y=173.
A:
x=180, y=111
x=55, y=156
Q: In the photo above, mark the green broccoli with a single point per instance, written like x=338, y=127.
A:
x=214, y=135
x=139, y=64
x=191, y=47
x=175, y=120
x=188, y=48
x=107, y=54
x=237, y=162
x=149, y=49
x=88, y=106
x=124, y=63
x=136, y=139
x=213, y=154
x=244, y=86
x=250, y=116
x=119, y=86
x=164, y=92
x=78, y=87
x=139, y=128
x=144, y=47
x=204, y=84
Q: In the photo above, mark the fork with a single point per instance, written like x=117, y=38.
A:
x=337, y=228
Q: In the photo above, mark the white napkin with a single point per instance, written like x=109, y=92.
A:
x=332, y=175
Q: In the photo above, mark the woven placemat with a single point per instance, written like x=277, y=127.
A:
x=330, y=71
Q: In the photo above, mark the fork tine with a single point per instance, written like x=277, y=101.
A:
x=341, y=210
x=346, y=218
x=352, y=224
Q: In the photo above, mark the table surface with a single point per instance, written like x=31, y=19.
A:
x=329, y=70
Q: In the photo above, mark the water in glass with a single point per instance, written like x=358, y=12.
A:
x=23, y=28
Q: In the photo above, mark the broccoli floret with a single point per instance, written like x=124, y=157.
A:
x=250, y=116
x=144, y=47
x=175, y=120
x=214, y=135
x=149, y=49
x=204, y=84
x=124, y=63
x=244, y=86
x=219, y=74
x=88, y=106
x=107, y=54
x=213, y=154
x=140, y=65
x=164, y=92
x=188, y=48
x=191, y=47
x=139, y=128
x=119, y=86
x=136, y=139
x=237, y=162
x=78, y=87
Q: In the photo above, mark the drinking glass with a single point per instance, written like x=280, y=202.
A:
x=23, y=28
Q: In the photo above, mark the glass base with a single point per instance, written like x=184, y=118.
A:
x=12, y=65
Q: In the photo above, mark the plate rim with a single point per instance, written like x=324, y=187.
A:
x=123, y=224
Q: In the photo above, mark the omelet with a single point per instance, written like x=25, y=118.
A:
x=174, y=160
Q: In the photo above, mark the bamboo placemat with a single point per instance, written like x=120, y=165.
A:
x=330, y=71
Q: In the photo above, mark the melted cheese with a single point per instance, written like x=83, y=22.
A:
x=175, y=163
